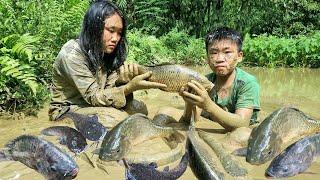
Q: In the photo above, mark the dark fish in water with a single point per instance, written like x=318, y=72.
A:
x=282, y=126
x=296, y=158
x=175, y=76
x=149, y=171
x=74, y=140
x=41, y=156
x=131, y=131
x=135, y=106
x=89, y=126
x=200, y=160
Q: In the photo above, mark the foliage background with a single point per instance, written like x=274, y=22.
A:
x=278, y=33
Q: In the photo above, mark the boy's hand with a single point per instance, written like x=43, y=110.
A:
x=196, y=94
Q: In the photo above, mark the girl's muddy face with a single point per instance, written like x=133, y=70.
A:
x=223, y=56
x=112, y=33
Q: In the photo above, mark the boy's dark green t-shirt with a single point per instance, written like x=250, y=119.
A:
x=245, y=93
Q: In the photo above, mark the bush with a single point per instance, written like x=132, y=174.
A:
x=272, y=51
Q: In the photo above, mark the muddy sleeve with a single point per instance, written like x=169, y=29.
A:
x=77, y=72
x=249, y=96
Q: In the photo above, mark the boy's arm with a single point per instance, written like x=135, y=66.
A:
x=228, y=120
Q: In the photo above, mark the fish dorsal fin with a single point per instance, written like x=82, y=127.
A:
x=153, y=165
x=240, y=152
x=94, y=118
x=161, y=64
x=166, y=169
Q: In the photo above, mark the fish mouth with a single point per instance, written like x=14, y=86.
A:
x=268, y=174
x=74, y=173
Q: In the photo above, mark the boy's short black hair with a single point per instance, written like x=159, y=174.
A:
x=222, y=33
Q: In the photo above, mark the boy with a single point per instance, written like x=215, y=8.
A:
x=234, y=100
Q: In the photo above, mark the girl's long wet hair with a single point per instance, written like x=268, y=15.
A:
x=91, y=37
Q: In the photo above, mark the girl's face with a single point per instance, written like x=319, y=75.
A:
x=112, y=33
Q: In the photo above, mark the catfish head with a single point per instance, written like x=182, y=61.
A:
x=77, y=144
x=262, y=146
x=54, y=167
x=295, y=159
x=114, y=147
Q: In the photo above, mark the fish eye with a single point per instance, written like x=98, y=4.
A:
x=269, y=152
x=53, y=168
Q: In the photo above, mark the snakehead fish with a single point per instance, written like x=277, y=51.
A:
x=282, y=126
x=131, y=131
x=200, y=160
x=296, y=158
x=74, y=140
x=174, y=76
x=148, y=171
x=230, y=164
x=40, y=155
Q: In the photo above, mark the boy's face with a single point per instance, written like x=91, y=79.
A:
x=223, y=56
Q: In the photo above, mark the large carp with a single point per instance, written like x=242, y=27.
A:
x=131, y=131
x=296, y=158
x=282, y=126
x=41, y=156
x=174, y=76
x=200, y=160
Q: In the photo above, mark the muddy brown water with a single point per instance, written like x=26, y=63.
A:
x=279, y=87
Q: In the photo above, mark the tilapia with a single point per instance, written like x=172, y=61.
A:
x=282, y=126
x=230, y=164
x=200, y=160
x=296, y=158
x=88, y=126
x=74, y=140
x=40, y=155
x=174, y=76
x=131, y=131
x=148, y=171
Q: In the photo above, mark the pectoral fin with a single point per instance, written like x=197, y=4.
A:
x=240, y=152
x=96, y=151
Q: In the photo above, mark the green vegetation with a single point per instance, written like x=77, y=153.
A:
x=278, y=33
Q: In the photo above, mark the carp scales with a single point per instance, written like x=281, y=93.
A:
x=282, y=126
x=149, y=171
x=296, y=158
x=200, y=160
x=131, y=131
x=68, y=136
x=88, y=126
x=175, y=76
x=40, y=155
x=230, y=164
